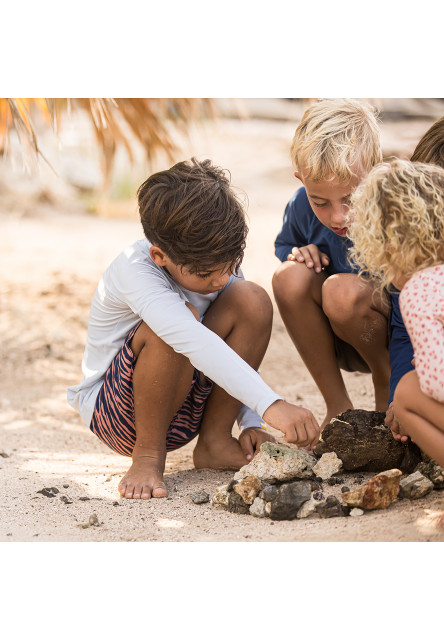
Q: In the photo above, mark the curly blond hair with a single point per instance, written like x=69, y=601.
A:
x=396, y=220
x=334, y=137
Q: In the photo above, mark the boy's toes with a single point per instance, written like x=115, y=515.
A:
x=146, y=492
x=160, y=491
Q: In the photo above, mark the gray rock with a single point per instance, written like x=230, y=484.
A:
x=414, y=486
x=199, y=497
x=289, y=499
x=236, y=504
x=433, y=472
x=276, y=461
x=269, y=492
x=49, y=492
x=363, y=442
x=328, y=465
x=257, y=509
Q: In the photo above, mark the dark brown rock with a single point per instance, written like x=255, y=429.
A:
x=363, y=442
x=290, y=497
x=331, y=509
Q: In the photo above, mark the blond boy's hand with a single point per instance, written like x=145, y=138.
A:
x=313, y=258
x=251, y=439
x=296, y=423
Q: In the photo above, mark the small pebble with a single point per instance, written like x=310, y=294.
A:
x=65, y=499
x=318, y=495
x=345, y=489
x=199, y=497
x=331, y=481
x=332, y=500
x=339, y=481
x=48, y=492
x=3, y=454
x=83, y=498
x=115, y=504
x=319, y=479
x=315, y=486
x=356, y=512
x=65, y=486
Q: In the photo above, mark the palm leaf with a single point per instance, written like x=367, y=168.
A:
x=116, y=122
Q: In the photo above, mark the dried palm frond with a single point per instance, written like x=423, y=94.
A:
x=116, y=121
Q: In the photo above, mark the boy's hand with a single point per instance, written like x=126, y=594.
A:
x=313, y=258
x=251, y=439
x=297, y=424
x=395, y=426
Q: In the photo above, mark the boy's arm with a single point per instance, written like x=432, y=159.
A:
x=291, y=235
x=293, y=241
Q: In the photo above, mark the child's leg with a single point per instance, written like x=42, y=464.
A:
x=421, y=416
x=242, y=316
x=161, y=381
x=359, y=315
x=298, y=294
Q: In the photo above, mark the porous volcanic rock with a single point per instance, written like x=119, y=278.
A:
x=289, y=499
x=378, y=493
x=278, y=462
x=248, y=488
x=363, y=442
x=328, y=465
x=433, y=472
x=414, y=486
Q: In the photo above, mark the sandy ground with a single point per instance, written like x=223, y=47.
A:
x=52, y=255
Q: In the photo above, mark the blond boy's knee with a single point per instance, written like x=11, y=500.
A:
x=291, y=281
x=342, y=296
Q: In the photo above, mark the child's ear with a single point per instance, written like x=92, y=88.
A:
x=158, y=256
x=298, y=176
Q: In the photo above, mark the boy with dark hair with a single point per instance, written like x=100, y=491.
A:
x=176, y=336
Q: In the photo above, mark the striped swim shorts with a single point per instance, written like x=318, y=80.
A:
x=113, y=417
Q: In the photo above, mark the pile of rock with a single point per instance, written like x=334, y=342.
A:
x=283, y=482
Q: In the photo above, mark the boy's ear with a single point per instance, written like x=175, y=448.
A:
x=298, y=176
x=158, y=256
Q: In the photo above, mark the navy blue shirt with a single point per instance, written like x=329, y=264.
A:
x=302, y=227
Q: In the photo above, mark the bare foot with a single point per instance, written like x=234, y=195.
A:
x=223, y=453
x=144, y=479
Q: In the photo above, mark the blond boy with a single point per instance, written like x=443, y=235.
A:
x=335, y=320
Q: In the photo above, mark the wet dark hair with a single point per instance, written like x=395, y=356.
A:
x=430, y=149
x=191, y=212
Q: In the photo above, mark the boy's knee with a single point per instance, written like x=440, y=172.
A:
x=292, y=282
x=343, y=297
x=254, y=301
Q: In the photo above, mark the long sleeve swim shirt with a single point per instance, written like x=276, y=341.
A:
x=135, y=288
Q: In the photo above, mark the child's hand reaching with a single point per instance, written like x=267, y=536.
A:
x=395, y=426
x=297, y=424
x=251, y=439
x=311, y=255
